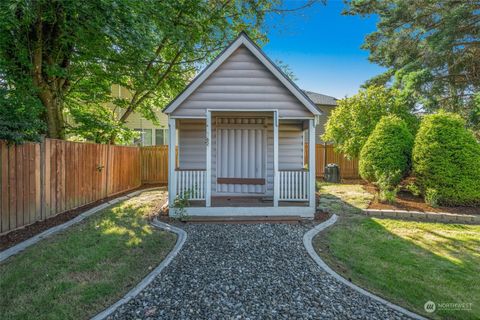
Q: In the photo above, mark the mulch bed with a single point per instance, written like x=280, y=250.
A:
x=16, y=236
x=406, y=201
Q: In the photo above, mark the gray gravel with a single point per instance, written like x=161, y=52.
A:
x=256, y=271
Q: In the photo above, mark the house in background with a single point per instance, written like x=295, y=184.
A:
x=156, y=135
x=326, y=104
x=150, y=134
x=241, y=128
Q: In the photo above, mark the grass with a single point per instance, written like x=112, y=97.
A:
x=406, y=262
x=77, y=273
x=343, y=198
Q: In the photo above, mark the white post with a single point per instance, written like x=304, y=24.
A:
x=208, y=142
x=311, y=162
x=172, y=182
x=276, y=177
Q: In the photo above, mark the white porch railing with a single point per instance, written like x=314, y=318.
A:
x=293, y=185
x=191, y=181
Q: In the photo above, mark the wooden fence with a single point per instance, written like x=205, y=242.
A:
x=154, y=164
x=325, y=154
x=41, y=180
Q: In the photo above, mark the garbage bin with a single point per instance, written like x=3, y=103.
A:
x=332, y=173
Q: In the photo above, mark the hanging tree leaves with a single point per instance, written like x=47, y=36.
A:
x=431, y=49
x=65, y=55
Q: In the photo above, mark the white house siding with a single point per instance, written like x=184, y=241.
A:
x=242, y=82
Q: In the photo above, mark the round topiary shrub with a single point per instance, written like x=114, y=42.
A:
x=446, y=160
x=385, y=157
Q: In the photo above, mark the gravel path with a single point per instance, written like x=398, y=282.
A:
x=256, y=271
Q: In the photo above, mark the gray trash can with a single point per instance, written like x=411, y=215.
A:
x=332, y=173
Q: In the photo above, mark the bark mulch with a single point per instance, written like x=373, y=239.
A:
x=16, y=236
x=406, y=201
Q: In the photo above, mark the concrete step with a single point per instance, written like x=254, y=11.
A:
x=244, y=220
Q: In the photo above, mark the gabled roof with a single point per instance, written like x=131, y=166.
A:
x=321, y=99
x=243, y=39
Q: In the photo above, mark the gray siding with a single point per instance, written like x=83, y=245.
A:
x=191, y=144
x=290, y=146
x=192, y=148
x=322, y=121
x=242, y=82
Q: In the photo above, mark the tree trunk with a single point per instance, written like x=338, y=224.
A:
x=54, y=115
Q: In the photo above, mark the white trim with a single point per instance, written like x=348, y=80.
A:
x=300, y=211
x=311, y=162
x=244, y=111
x=243, y=39
x=296, y=118
x=172, y=183
x=208, y=142
x=188, y=117
x=276, y=175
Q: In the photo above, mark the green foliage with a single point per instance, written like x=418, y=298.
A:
x=19, y=116
x=413, y=189
x=47, y=46
x=385, y=157
x=181, y=202
x=446, y=158
x=71, y=52
x=431, y=197
x=388, y=195
x=354, y=119
x=430, y=49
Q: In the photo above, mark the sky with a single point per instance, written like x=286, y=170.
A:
x=322, y=48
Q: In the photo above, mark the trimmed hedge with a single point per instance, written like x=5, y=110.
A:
x=446, y=160
x=385, y=157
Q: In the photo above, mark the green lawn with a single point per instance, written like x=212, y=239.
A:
x=343, y=198
x=406, y=262
x=79, y=272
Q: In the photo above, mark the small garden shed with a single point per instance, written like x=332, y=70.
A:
x=241, y=129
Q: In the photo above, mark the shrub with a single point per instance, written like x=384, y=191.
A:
x=385, y=157
x=413, y=189
x=431, y=197
x=388, y=195
x=355, y=118
x=446, y=158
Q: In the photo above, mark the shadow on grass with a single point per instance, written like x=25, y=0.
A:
x=406, y=263
x=79, y=272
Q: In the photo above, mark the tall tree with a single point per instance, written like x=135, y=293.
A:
x=177, y=39
x=431, y=48
x=68, y=53
x=46, y=45
x=352, y=122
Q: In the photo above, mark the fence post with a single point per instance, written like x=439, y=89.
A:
x=107, y=171
x=42, y=179
x=324, y=156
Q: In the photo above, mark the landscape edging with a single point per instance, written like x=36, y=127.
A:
x=7, y=253
x=444, y=217
x=307, y=242
x=182, y=236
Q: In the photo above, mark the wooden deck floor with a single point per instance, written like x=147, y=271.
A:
x=236, y=201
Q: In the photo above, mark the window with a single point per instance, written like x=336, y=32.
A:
x=161, y=137
x=144, y=138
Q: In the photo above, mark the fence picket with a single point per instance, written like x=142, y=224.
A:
x=39, y=181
